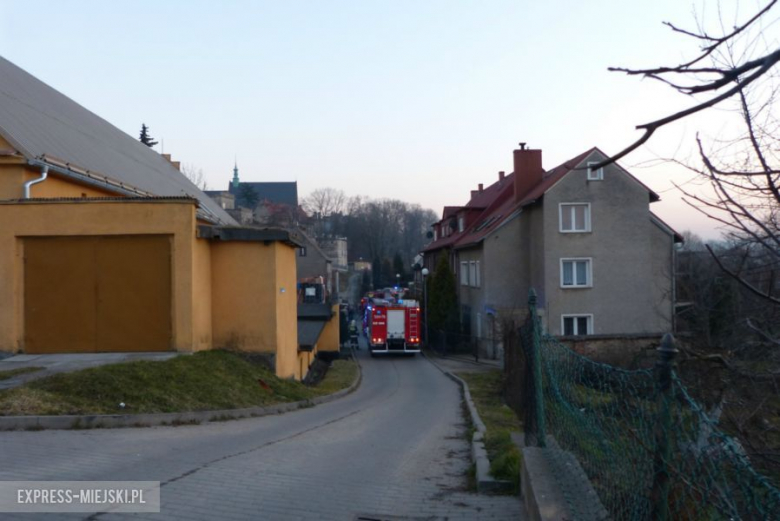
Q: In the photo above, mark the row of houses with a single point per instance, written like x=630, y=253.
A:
x=105, y=246
x=584, y=238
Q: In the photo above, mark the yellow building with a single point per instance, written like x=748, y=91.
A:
x=106, y=246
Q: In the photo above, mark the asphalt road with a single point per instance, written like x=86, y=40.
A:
x=395, y=447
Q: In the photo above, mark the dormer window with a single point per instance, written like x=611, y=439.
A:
x=461, y=224
x=595, y=174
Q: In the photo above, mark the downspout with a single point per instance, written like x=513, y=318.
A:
x=28, y=184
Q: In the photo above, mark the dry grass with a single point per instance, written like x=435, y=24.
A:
x=207, y=380
x=5, y=375
x=486, y=391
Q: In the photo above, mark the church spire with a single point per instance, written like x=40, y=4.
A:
x=235, y=174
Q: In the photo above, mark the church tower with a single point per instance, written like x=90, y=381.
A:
x=235, y=180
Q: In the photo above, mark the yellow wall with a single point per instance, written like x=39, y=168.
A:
x=243, y=313
x=254, y=305
x=329, y=339
x=224, y=294
x=201, y=285
x=42, y=219
x=286, y=312
x=14, y=172
x=12, y=177
x=55, y=186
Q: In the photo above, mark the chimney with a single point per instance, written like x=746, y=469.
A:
x=481, y=187
x=175, y=164
x=474, y=193
x=501, y=176
x=528, y=170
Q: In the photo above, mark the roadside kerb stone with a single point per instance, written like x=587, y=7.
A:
x=479, y=456
x=101, y=421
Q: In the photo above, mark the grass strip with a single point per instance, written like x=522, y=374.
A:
x=5, y=375
x=486, y=390
x=207, y=380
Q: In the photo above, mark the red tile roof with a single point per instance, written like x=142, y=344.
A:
x=506, y=205
x=498, y=203
x=477, y=203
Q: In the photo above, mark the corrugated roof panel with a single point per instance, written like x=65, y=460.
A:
x=41, y=121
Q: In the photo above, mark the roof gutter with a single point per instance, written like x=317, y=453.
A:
x=31, y=182
x=103, y=183
x=90, y=179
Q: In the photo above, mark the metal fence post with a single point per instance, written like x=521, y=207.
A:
x=663, y=426
x=536, y=354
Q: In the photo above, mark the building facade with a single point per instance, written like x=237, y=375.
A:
x=585, y=240
x=106, y=246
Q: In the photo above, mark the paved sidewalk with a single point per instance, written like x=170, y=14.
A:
x=63, y=363
x=461, y=363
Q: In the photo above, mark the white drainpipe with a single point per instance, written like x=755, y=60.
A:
x=28, y=184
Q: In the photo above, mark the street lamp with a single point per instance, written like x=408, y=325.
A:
x=398, y=280
x=425, y=273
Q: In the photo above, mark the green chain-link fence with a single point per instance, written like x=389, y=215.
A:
x=648, y=450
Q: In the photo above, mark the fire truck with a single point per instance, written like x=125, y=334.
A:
x=392, y=327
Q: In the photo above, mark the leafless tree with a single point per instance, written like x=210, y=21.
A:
x=734, y=68
x=195, y=175
x=325, y=202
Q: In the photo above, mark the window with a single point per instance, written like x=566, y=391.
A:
x=595, y=175
x=461, y=224
x=435, y=234
x=464, y=273
x=577, y=325
x=576, y=273
x=478, y=279
x=473, y=273
x=574, y=217
x=302, y=251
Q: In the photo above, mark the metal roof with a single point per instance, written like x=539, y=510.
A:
x=315, y=311
x=44, y=124
x=249, y=234
x=309, y=332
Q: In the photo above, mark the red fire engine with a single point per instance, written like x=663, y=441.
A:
x=392, y=327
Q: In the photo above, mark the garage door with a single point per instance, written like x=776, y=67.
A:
x=97, y=294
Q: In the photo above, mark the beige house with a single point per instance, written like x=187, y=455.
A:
x=600, y=261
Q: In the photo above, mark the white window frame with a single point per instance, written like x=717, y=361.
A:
x=461, y=224
x=595, y=175
x=473, y=274
x=435, y=235
x=588, y=272
x=575, y=316
x=568, y=207
x=464, y=273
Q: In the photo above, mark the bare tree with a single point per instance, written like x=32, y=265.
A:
x=725, y=66
x=734, y=288
x=735, y=64
x=325, y=202
x=195, y=175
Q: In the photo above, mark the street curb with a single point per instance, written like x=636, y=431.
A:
x=104, y=421
x=485, y=482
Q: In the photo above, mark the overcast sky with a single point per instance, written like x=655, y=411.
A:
x=416, y=100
